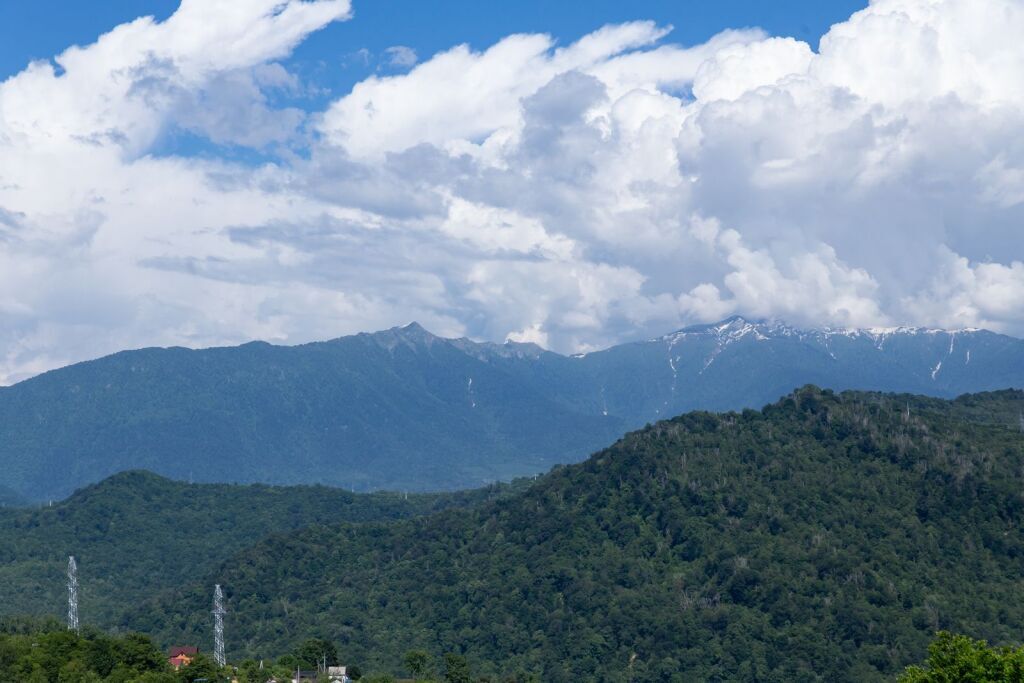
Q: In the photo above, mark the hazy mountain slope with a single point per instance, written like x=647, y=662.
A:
x=136, y=534
x=403, y=409
x=400, y=410
x=9, y=498
x=824, y=538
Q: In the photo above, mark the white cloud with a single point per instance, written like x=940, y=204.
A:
x=810, y=286
x=574, y=195
x=909, y=51
x=465, y=95
x=738, y=69
x=91, y=206
x=963, y=294
x=122, y=88
x=493, y=230
x=401, y=56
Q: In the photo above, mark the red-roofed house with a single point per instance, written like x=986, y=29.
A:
x=182, y=656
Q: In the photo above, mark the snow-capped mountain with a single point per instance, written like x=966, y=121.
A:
x=405, y=409
x=740, y=363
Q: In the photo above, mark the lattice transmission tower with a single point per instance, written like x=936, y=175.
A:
x=218, y=625
x=72, y=594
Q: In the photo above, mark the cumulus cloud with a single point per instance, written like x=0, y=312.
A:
x=809, y=285
x=971, y=294
x=91, y=205
x=461, y=95
x=574, y=195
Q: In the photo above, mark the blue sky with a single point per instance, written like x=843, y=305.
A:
x=331, y=61
x=41, y=29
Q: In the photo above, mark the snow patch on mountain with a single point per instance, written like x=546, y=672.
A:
x=736, y=328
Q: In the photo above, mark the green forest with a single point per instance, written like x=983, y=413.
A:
x=826, y=537
x=46, y=652
x=136, y=533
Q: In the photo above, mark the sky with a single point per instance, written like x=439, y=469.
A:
x=571, y=174
x=44, y=28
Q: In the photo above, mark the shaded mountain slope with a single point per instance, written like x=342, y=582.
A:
x=10, y=498
x=405, y=410
x=137, y=533
x=397, y=410
x=824, y=538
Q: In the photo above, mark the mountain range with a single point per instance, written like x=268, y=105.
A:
x=404, y=409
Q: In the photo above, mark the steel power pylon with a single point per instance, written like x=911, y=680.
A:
x=72, y=594
x=218, y=626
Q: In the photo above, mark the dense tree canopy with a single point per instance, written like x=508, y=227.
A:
x=825, y=537
x=960, y=659
x=46, y=652
x=137, y=533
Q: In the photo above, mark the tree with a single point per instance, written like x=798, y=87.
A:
x=138, y=653
x=76, y=671
x=100, y=656
x=154, y=677
x=249, y=672
x=62, y=656
x=964, y=660
x=201, y=668
x=417, y=662
x=313, y=653
x=456, y=669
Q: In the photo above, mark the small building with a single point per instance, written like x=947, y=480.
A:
x=182, y=656
x=338, y=674
x=335, y=674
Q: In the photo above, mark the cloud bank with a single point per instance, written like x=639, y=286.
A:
x=573, y=195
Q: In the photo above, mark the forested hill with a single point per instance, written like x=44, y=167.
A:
x=136, y=533
x=826, y=537
x=403, y=409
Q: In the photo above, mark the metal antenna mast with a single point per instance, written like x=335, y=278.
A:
x=218, y=626
x=72, y=594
